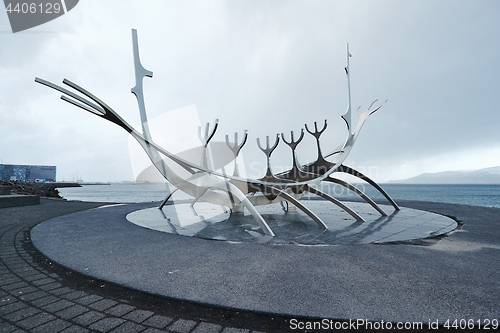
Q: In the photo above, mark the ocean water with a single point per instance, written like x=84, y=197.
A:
x=116, y=193
x=476, y=195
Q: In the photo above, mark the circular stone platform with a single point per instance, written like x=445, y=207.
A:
x=209, y=221
x=396, y=282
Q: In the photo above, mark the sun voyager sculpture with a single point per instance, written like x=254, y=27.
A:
x=204, y=181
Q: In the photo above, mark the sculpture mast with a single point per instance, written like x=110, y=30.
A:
x=138, y=91
x=347, y=115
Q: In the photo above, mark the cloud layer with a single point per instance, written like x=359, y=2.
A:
x=268, y=67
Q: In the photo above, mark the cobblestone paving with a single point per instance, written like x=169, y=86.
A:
x=38, y=296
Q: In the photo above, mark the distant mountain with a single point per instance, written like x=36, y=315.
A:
x=483, y=176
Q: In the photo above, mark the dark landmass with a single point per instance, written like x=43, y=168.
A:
x=483, y=176
x=48, y=190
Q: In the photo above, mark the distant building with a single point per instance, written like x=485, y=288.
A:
x=28, y=173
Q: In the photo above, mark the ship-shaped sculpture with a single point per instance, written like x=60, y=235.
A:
x=205, y=182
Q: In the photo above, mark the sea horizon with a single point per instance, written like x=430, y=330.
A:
x=485, y=195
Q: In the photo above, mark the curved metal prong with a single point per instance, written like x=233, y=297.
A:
x=80, y=89
x=268, y=151
x=235, y=147
x=296, y=173
x=320, y=165
x=316, y=133
x=370, y=110
x=80, y=105
x=275, y=143
x=378, y=107
x=206, y=139
x=293, y=143
x=216, y=125
x=71, y=94
x=245, y=138
x=258, y=144
x=375, y=101
x=109, y=114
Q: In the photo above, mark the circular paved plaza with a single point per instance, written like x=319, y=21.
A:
x=391, y=281
x=98, y=271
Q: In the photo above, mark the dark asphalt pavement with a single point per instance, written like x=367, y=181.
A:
x=456, y=277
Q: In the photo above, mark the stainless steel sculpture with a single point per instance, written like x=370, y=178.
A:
x=203, y=181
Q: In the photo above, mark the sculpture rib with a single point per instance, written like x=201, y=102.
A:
x=336, y=202
x=351, y=171
x=358, y=192
x=167, y=198
x=297, y=203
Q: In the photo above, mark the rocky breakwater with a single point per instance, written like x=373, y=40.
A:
x=41, y=189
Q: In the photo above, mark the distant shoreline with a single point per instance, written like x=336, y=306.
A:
x=48, y=190
x=487, y=176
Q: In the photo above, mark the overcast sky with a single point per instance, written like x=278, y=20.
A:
x=265, y=66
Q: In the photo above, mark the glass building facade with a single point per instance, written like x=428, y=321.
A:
x=28, y=173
